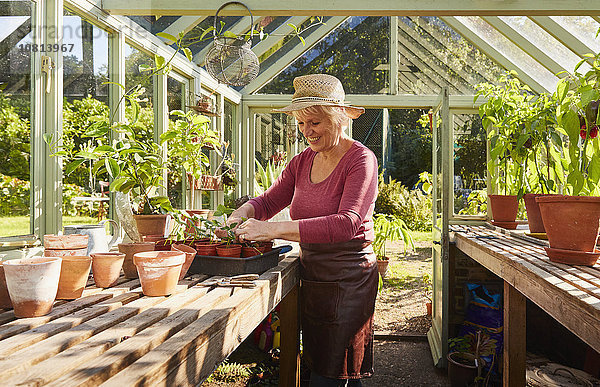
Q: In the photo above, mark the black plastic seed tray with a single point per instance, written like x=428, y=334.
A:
x=212, y=265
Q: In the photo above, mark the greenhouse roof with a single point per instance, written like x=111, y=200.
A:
x=438, y=43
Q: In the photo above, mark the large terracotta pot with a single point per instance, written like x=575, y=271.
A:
x=504, y=207
x=159, y=271
x=4, y=297
x=74, y=273
x=129, y=249
x=32, y=284
x=190, y=254
x=153, y=224
x=571, y=222
x=106, y=268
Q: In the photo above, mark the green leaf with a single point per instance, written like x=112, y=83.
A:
x=206, y=31
x=117, y=184
x=86, y=155
x=229, y=34
x=561, y=89
x=72, y=166
x=48, y=138
x=167, y=36
x=159, y=61
x=570, y=122
x=188, y=54
x=302, y=40
x=112, y=167
x=104, y=148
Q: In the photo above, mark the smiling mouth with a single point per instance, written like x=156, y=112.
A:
x=313, y=139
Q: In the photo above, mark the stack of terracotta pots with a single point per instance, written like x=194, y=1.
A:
x=65, y=245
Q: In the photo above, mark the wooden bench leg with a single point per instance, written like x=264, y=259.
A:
x=513, y=373
x=289, y=360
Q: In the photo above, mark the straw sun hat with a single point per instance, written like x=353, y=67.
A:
x=319, y=89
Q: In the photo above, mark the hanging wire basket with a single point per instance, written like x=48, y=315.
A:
x=230, y=59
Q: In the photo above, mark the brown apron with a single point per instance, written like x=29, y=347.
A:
x=339, y=286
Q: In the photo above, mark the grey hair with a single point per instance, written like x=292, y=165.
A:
x=336, y=115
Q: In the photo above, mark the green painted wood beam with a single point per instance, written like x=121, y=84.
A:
x=490, y=50
x=285, y=60
x=394, y=56
x=562, y=35
x=183, y=24
x=278, y=35
x=525, y=44
x=354, y=7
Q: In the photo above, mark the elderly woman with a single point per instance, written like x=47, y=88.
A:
x=331, y=188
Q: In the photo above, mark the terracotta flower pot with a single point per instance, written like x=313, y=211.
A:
x=571, y=222
x=233, y=250
x=382, y=266
x=4, y=297
x=429, y=307
x=74, y=273
x=106, y=268
x=268, y=246
x=153, y=224
x=65, y=242
x=206, y=248
x=159, y=271
x=534, y=216
x=504, y=207
x=251, y=251
x=190, y=254
x=32, y=284
x=65, y=252
x=129, y=249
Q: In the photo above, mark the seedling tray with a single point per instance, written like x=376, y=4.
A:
x=213, y=265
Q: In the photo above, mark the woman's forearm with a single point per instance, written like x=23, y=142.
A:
x=288, y=230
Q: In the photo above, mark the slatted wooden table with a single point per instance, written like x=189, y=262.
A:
x=119, y=337
x=570, y=294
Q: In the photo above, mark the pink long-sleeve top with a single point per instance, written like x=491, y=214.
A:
x=337, y=209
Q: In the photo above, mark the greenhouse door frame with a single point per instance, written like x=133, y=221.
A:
x=442, y=211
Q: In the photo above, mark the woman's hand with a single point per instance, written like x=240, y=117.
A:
x=255, y=230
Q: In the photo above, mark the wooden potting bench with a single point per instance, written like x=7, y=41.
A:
x=119, y=337
x=570, y=294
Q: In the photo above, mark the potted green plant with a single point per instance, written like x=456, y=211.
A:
x=571, y=221
x=465, y=362
x=523, y=144
x=389, y=228
x=188, y=140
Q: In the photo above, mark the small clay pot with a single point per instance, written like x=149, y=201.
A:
x=153, y=224
x=66, y=242
x=190, y=254
x=251, y=251
x=4, y=297
x=129, y=249
x=74, y=273
x=382, y=266
x=233, y=250
x=206, y=248
x=32, y=284
x=159, y=271
x=268, y=246
x=65, y=252
x=106, y=268
x=504, y=207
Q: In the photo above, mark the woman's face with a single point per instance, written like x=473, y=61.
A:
x=319, y=132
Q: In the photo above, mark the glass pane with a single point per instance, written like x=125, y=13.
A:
x=231, y=166
x=544, y=41
x=368, y=129
x=135, y=58
x=583, y=28
x=410, y=148
x=175, y=100
x=85, y=195
x=15, y=116
x=469, y=165
x=274, y=136
x=508, y=49
x=357, y=52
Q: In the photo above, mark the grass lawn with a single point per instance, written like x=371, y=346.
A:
x=19, y=225
x=422, y=236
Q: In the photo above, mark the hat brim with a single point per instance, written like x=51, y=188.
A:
x=353, y=111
